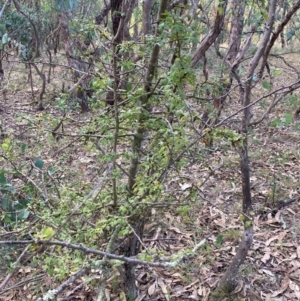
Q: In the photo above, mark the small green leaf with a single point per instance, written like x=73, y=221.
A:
x=22, y=204
x=277, y=72
x=219, y=239
x=266, y=85
x=6, y=145
x=38, y=162
x=6, y=204
x=275, y=122
x=2, y=177
x=24, y=214
x=288, y=119
x=128, y=87
x=23, y=147
x=46, y=233
x=5, y=38
x=248, y=224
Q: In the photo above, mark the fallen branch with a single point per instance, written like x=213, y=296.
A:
x=131, y=260
x=51, y=294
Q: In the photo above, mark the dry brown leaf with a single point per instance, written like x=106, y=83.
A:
x=298, y=252
x=277, y=217
x=281, y=236
x=201, y=290
x=293, y=286
x=191, y=284
x=175, y=230
x=163, y=287
x=284, y=286
x=151, y=289
x=288, y=245
x=107, y=294
x=141, y=296
x=194, y=295
x=27, y=269
x=185, y=186
x=291, y=211
x=297, y=295
x=296, y=264
x=268, y=272
x=239, y=287
x=266, y=257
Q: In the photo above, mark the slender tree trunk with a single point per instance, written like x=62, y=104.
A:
x=117, y=27
x=276, y=34
x=211, y=37
x=139, y=218
x=147, y=5
x=79, y=92
x=228, y=281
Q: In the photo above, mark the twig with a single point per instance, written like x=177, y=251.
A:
x=21, y=283
x=282, y=205
x=72, y=292
x=131, y=260
x=3, y=8
x=4, y=282
x=22, y=174
x=51, y=294
x=137, y=236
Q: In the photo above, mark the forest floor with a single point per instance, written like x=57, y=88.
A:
x=272, y=268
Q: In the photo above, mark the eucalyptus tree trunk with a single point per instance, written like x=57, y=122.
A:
x=237, y=10
x=228, y=281
x=147, y=5
x=211, y=37
x=128, y=8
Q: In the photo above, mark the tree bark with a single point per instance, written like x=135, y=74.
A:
x=276, y=34
x=237, y=25
x=130, y=4
x=228, y=281
x=140, y=216
x=103, y=14
x=79, y=92
x=147, y=5
x=211, y=37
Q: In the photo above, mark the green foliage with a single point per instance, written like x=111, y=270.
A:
x=219, y=240
x=6, y=146
x=282, y=122
x=166, y=123
x=266, y=85
x=235, y=138
x=38, y=162
x=291, y=32
x=232, y=234
x=293, y=101
x=14, y=207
